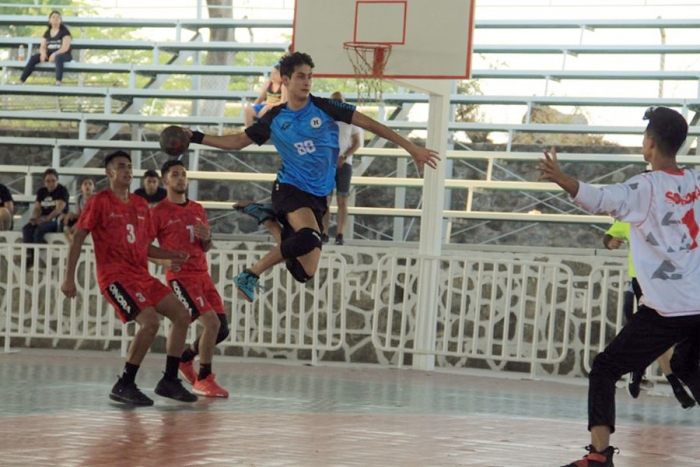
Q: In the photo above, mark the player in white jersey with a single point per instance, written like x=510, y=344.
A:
x=663, y=209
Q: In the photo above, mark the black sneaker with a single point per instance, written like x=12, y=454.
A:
x=635, y=383
x=173, y=389
x=683, y=398
x=595, y=458
x=339, y=240
x=324, y=238
x=129, y=394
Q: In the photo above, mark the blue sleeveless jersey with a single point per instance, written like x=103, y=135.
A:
x=307, y=140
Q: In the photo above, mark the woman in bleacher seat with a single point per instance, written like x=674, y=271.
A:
x=54, y=48
x=272, y=95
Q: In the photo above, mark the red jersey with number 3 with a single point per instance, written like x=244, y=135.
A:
x=121, y=236
x=173, y=225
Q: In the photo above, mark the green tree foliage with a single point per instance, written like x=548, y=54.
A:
x=471, y=112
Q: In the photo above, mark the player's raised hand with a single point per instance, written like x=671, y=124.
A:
x=549, y=166
x=551, y=172
x=424, y=156
x=68, y=288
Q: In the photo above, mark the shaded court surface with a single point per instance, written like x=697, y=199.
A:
x=54, y=411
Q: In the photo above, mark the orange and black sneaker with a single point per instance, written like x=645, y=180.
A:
x=208, y=387
x=186, y=370
x=594, y=458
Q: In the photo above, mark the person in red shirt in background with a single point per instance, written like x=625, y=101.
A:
x=181, y=224
x=121, y=232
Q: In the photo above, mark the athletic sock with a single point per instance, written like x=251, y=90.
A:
x=204, y=370
x=129, y=374
x=674, y=382
x=171, y=366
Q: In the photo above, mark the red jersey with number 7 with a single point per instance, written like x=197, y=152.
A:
x=121, y=236
x=173, y=225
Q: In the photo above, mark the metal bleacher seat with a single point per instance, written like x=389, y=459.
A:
x=177, y=46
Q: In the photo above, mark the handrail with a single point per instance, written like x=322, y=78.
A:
x=78, y=21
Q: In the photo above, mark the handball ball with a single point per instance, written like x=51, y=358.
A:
x=174, y=141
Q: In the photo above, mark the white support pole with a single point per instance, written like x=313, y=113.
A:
x=136, y=135
x=431, y=225
x=193, y=185
x=400, y=199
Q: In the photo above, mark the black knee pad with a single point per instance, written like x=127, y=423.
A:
x=303, y=242
x=297, y=270
x=223, y=329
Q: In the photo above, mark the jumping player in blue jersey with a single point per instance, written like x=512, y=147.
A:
x=305, y=132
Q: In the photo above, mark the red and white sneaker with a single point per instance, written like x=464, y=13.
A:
x=187, y=373
x=207, y=387
x=594, y=458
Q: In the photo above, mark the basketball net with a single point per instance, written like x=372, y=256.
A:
x=368, y=61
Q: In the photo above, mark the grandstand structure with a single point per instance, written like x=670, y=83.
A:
x=109, y=109
x=493, y=196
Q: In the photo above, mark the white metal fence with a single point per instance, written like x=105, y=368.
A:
x=289, y=316
x=488, y=309
x=533, y=313
x=604, y=314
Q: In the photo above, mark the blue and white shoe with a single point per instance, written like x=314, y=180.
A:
x=259, y=212
x=246, y=283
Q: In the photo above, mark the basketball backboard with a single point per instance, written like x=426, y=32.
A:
x=430, y=39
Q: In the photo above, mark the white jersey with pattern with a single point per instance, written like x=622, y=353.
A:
x=663, y=209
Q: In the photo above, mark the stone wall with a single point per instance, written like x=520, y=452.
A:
x=375, y=227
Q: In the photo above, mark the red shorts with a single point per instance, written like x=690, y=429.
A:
x=198, y=294
x=130, y=297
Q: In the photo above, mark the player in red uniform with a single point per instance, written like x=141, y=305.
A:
x=181, y=224
x=120, y=228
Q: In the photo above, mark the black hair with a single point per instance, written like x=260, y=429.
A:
x=61, y=26
x=169, y=165
x=150, y=173
x=289, y=63
x=668, y=128
x=50, y=171
x=114, y=155
x=82, y=180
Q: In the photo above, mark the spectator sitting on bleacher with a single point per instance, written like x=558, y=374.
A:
x=87, y=189
x=51, y=201
x=7, y=208
x=54, y=48
x=150, y=189
x=272, y=95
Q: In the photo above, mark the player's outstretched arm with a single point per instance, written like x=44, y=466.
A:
x=68, y=287
x=549, y=167
x=419, y=154
x=237, y=141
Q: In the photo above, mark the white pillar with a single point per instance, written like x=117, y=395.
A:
x=431, y=224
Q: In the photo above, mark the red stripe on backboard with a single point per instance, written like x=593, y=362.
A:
x=294, y=25
x=471, y=41
x=331, y=75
